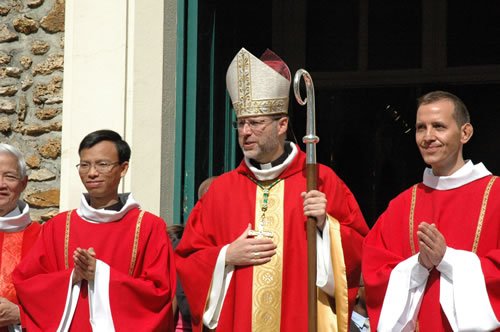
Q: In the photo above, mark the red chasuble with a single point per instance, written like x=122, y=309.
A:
x=224, y=213
x=14, y=246
x=139, y=302
x=455, y=213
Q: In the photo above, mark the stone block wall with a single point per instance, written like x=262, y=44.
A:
x=31, y=74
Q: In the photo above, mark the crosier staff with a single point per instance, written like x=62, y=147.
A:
x=312, y=178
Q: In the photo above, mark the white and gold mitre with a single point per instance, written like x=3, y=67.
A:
x=258, y=86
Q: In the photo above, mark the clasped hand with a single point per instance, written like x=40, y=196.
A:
x=85, y=264
x=432, y=245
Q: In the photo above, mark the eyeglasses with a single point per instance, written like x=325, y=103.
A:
x=101, y=166
x=254, y=125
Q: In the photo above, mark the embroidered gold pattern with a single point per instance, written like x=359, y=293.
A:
x=246, y=106
x=10, y=257
x=267, y=278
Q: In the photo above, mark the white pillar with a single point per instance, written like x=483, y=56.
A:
x=113, y=79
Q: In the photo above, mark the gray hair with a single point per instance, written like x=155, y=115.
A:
x=12, y=150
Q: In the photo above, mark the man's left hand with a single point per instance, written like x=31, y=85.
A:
x=431, y=242
x=9, y=313
x=85, y=263
x=315, y=206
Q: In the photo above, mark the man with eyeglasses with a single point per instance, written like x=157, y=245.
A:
x=105, y=266
x=243, y=256
x=17, y=232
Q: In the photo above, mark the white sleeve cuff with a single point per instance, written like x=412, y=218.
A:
x=101, y=318
x=324, y=269
x=463, y=295
x=220, y=282
x=403, y=296
x=70, y=306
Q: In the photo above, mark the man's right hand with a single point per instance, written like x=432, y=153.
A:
x=247, y=250
x=85, y=265
x=432, y=245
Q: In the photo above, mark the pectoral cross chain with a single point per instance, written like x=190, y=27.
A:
x=260, y=232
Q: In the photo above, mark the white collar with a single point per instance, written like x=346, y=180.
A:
x=272, y=172
x=90, y=214
x=466, y=174
x=15, y=220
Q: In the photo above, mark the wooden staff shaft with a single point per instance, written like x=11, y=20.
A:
x=311, y=230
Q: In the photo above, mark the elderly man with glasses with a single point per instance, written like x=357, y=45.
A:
x=243, y=256
x=105, y=266
x=17, y=232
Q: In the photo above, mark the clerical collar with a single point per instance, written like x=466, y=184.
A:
x=280, y=160
x=274, y=171
x=466, y=174
x=16, y=220
x=115, y=207
x=107, y=214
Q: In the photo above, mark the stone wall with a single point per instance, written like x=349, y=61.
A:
x=31, y=65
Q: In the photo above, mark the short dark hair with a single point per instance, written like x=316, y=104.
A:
x=175, y=234
x=98, y=136
x=460, y=112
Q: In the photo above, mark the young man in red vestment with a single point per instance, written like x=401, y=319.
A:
x=432, y=260
x=243, y=257
x=17, y=232
x=106, y=266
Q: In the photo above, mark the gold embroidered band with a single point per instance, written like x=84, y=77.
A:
x=267, y=278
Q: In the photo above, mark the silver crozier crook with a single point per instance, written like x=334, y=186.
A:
x=310, y=139
x=312, y=178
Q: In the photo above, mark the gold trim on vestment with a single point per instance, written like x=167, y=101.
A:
x=482, y=213
x=136, y=243
x=267, y=278
x=412, y=218
x=66, y=240
x=479, y=221
x=328, y=320
x=134, y=250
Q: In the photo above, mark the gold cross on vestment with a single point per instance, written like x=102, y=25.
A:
x=261, y=233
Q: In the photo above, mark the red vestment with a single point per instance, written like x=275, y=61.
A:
x=223, y=214
x=140, y=302
x=455, y=213
x=14, y=246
